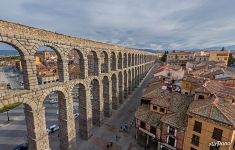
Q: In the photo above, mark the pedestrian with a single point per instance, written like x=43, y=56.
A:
x=111, y=144
x=107, y=146
x=116, y=138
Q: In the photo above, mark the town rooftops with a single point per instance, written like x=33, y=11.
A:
x=144, y=114
x=219, y=89
x=214, y=108
x=175, y=103
x=179, y=53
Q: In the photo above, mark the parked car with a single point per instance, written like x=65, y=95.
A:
x=52, y=101
x=23, y=146
x=76, y=115
x=52, y=129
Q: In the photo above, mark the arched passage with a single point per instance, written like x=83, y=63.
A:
x=136, y=63
x=106, y=97
x=104, y=61
x=125, y=84
x=57, y=106
x=138, y=59
x=93, y=67
x=95, y=102
x=125, y=60
x=79, y=107
x=120, y=84
x=133, y=78
x=76, y=66
x=14, y=68
x=138, y=75
x=114, y=92
x=129, y=81
x=129, y=60
x=113, y=61
x=49, y=64
x=133, y=59
x=119, y=60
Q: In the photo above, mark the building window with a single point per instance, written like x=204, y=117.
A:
x=153, y=130
x=197, y=126
x=201, y=97
x=171, y=130
x=155, y=108
x=142, y=124
x=195, y=140
x=217, y=134
x=164, y=147
x=162, y=110
x=214, y=147
x=192, y=148
x=171, y=141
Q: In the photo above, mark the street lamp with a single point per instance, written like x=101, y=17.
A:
x=8, y=118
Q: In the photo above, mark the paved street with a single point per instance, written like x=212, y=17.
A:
x=107, y=133
x=9, y=74
x=14, y=133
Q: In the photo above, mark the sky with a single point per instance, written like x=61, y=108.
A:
x=144, y=24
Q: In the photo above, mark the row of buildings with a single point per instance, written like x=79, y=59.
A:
x=184, y=111
x=181, y=58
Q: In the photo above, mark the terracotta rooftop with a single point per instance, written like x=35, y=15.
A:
x=176, y=104
x=219, y=89
x=214, y=108
x=144, y=114
x=179, y=53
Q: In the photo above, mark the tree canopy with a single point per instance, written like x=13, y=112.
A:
x=231, y=60
x=164, y=56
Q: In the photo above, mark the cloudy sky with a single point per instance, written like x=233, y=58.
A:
x=154, y=24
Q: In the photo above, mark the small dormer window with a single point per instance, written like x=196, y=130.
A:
x=162, y=109
x=155, y=108
x=201, y=97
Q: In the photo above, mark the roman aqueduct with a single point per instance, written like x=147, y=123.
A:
x=116, y=71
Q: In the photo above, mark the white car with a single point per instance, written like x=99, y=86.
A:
x=52, y=101
x=76, y=115
x=52, y=129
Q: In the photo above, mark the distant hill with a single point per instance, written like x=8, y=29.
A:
x=151, y=50
x=232, y=47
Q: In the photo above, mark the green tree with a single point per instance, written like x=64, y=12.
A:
x=8, y=108
x=222, y=49
x=176, y=56
x=231, y=60
x=164, y=57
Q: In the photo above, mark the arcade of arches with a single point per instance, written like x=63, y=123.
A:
x=108, y=75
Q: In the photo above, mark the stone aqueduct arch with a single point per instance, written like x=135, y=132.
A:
x=108, y=77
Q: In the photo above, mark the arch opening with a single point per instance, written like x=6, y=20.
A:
x=48, y=65
x=95, y=102
x=106, y=97
x=119, y=60
x=93, y=67
x=104, y=62
x=12, y=66
x=114, y=92
x=113, y=61
x=76, y=66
